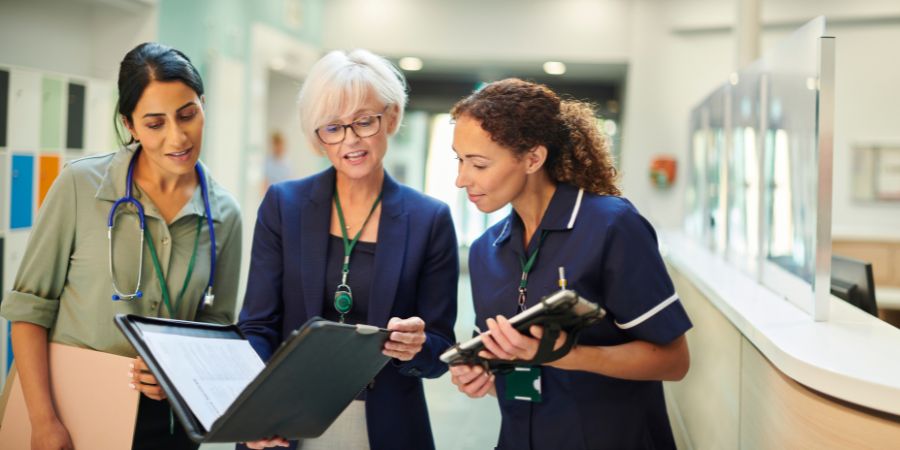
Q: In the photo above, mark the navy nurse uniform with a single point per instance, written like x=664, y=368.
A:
x=414, y=272
x=611, y=257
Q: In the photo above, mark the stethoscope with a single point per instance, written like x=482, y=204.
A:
x=119, y=294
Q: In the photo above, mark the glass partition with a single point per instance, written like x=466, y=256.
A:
x=716, y=168
x=762, y=194
x=695, y=212
x=744, y=169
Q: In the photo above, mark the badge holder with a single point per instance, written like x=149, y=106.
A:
x=343, y=300
x=523, y=384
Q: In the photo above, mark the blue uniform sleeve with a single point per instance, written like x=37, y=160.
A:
x=639, y=294
x=263, y=311
x=436, y=303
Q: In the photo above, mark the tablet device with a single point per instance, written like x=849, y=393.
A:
x=564, y=305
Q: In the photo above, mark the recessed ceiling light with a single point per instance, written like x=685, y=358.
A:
x=554, y=68
x=410, y=63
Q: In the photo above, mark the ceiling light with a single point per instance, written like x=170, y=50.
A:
x=554, y=68
x=410, y=63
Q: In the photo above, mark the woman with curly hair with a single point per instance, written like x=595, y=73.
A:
x=518, y=143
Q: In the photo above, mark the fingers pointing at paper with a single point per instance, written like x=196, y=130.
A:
x=407, y=338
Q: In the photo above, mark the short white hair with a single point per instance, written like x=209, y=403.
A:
x=340, y=82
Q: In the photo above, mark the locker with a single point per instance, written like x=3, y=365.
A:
x=51, y=113
x=75, y=117
x=4, y=189
x=21, y=191
x=1, y=266
x=4, y=104
x=98, y=124
x=48, y=171
x=24, y=117
x=4, y=336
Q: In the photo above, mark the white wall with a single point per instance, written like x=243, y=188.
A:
x=867, y=105
x=668, y=75
x=572, y=30
x=74, y=37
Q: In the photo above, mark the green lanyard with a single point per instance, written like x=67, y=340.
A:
x=526, y=269
x=343, y=295
x=159, y=276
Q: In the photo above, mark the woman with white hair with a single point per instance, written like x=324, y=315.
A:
x=351, y=244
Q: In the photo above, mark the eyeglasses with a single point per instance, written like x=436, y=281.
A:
x=334, y=133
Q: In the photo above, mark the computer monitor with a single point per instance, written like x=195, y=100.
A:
x=852, y=281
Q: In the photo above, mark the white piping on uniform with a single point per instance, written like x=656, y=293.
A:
x=577, y=206
x=502, y=232
x=650, y=313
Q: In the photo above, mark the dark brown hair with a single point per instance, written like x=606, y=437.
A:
x=143, y=64
x=521, y=115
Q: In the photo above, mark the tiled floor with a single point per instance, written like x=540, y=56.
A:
x=451, y=411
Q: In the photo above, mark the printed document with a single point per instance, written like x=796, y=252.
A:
x=209, y=373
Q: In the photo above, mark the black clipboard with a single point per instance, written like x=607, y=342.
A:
x=564, y=305
x=304, y=387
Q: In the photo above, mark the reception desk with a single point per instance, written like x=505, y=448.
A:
x=765, y=375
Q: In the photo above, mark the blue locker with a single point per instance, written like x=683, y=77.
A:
x=22, y=191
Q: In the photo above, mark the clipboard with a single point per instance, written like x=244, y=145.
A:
x=564, y=306
x=306, y=384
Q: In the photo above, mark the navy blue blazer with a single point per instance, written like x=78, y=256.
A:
x=416, y=274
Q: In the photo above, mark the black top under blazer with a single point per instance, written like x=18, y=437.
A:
x=416, y=273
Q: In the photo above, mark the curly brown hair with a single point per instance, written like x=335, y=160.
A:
x=521, y=115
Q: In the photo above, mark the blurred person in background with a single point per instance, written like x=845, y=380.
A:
x=278, y=166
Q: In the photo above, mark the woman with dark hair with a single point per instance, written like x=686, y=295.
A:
x=153, y=192
x=518, y=143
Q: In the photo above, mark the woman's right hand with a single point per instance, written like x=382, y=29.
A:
x=50, y=435
x=473, y=381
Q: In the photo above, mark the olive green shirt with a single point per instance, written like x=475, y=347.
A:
x=64, y=281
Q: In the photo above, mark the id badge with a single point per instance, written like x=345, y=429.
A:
x=524, y=384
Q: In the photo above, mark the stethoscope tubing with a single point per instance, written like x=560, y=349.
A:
x=119, y=294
